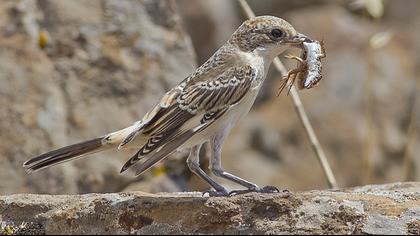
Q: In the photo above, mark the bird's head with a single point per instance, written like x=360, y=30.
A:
x=269, y=35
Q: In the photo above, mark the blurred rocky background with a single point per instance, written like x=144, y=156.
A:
x=71, y=70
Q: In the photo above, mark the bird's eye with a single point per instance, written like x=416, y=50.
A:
x=276, y=33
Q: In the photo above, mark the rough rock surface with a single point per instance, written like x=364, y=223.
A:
x=381, y=209
x=72, y=70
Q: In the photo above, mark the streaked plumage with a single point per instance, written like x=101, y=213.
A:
x=202, y=108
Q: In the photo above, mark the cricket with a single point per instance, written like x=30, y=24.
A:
x=308, y=72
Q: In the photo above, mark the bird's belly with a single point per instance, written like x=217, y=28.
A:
x=226, y=122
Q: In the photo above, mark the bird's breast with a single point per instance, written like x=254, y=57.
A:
x=256, y=61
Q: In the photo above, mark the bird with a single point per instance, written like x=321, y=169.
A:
x=203, y=107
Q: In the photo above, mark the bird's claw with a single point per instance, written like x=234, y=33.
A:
x=266, y=189
x=212, y=193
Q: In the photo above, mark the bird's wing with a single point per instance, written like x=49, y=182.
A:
x=189, y=109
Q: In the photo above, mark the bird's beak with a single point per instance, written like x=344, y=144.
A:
x=298, y=39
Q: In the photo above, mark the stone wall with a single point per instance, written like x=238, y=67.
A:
x=380, y=209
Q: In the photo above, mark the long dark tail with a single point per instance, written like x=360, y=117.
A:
x=65, y=154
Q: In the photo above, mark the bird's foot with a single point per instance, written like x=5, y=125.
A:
x=266, y=189
x=225, y=193
x=220, y=193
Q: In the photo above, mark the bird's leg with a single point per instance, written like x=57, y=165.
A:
x=216, y=167
x=193, y=163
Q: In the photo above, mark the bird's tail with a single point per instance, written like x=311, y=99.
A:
x=75, y=151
